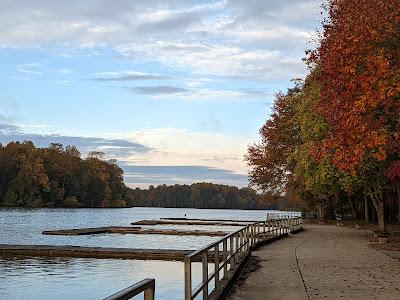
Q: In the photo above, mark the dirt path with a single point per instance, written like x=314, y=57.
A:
x=323, y=262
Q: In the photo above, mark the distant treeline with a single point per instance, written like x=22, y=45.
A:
x=57, y=176
x=205, y=195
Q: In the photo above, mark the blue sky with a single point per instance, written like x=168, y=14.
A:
x=174, y=90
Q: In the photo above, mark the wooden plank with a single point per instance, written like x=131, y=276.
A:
x=132, y=230
x=97, y=252
x=212, y=220
x=87, y=231
x=186, y=222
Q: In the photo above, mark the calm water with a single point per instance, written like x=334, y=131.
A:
x=82, y=278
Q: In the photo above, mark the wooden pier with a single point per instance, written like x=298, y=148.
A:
x=189, y=222
x=94, y=252
x=132, y=230
x=211, y=220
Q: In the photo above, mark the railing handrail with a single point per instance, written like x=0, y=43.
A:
x=146, y=285
x=225, y=237
x=246, y=238
x=217, y=242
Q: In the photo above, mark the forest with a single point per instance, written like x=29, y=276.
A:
x=332, y=142
x=207, y=195
x=57, y=176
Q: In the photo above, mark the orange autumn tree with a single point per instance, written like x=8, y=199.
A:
x=360, y=92
x=268, y=160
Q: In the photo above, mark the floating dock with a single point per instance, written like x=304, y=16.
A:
x=189, y=222
x=95, y=252
x=210, y=220
x=132, y=230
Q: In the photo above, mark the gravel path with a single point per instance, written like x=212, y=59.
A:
x=323, y=262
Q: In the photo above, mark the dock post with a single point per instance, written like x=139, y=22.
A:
x=231, y=251
x=188, y=279
x=237, y=248
x=204, y=260
x=216, y=266
x=149, y=294
x=224, y=257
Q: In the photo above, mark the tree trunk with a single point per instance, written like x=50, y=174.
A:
x=398, y=202
x=381, y=216
x=63, y=191
x=321, y=212
x=380, y=212
x=379, y=204
x=353, y=209
x=366, y=212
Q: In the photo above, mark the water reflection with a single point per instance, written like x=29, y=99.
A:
x=81, y=278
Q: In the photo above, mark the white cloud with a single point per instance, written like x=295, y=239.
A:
x=182, y=147
x=261, y=39
x=217, y=59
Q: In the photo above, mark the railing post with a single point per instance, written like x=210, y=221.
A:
x=224, y=257
x=269, y=227
x=241, y=239
x=232, y=251
x=279, y=227
x=204, y=262
x=149, y=293
x=245, y=236
x=248, y=237
x=188, y=279
x=264, y=225
x=253, y=234
x=216, y=266
x=237, y=248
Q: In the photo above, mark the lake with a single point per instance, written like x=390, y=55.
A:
x=87, y=278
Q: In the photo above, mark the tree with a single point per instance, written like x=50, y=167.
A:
x=268, y=160
x=360, y=78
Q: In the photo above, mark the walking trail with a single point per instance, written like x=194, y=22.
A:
x=323, y=262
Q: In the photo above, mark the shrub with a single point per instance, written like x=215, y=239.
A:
x=118, y=203
x=71, y=201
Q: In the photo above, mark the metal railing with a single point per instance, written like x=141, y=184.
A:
x=229, y=252
x=146, y=285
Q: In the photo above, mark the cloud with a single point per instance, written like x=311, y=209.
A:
x=218, y=59
x=204, y=94
x=258, y=39
x=158, y=90
x=30, y=68
x=64, y=71
x=127, y=76
x=180, y=20
x=124, y=148
x=182, y=147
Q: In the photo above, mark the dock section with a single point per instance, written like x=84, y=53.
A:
x=189, y=222
x=94, y=252
x=211, y=220
x=132, y=230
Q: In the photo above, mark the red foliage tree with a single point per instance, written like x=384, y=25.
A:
x=360, y=77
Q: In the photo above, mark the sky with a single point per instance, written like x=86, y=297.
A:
x=174, y=90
